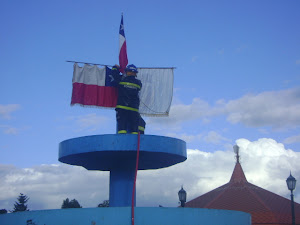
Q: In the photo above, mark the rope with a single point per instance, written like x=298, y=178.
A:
x=151, y=109
x=134, y=184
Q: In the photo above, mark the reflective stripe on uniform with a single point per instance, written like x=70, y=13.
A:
x=127, y=108
x=122, y=132
x=130, y=84
x=134, y=132
x=141, y=128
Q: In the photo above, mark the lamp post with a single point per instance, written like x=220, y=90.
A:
x=291, y=183
x=182, y=196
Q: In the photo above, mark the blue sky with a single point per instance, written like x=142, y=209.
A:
x=237, y=77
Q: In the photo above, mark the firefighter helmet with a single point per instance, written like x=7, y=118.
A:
x=131, y=68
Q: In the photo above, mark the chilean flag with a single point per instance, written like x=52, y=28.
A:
x=92, y=86
x=123, y=60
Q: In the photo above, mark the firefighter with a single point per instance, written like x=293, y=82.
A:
x=127, y=109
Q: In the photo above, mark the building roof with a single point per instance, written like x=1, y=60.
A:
x=264, y=206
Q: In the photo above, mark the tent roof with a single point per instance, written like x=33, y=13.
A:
x=238, y=194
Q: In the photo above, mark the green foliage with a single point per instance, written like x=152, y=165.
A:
x=105, y=203
x=70, y=204
x=20, y=205
x=3, y=211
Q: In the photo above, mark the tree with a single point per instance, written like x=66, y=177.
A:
x=70, y=204
x=3, y=211
x=105, y=203
x=20, y=205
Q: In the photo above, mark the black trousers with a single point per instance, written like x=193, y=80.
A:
x=127, y=120
x=142, y=125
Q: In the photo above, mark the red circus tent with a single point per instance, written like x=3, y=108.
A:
x=238, y=194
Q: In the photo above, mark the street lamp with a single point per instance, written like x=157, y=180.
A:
x=182, y=196
x=291, y=183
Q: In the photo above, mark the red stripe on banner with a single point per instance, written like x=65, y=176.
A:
x=94, y=95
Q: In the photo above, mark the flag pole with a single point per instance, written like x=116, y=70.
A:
x=98, y=64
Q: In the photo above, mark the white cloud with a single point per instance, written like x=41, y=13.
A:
x=241, y=48
x=90, y=122
x=221, y=51
x=9, y=130
x=211, y=137
x=6, y=110
x=215, y=138
x=185, y=137
x=266, y=163
x=292, y=139
x=194, y=59
x=276, y=109
x=48, y=185
x=198, y=109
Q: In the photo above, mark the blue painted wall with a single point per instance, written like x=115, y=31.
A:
x=122, y=216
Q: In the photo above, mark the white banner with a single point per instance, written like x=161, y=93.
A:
x=157, y=91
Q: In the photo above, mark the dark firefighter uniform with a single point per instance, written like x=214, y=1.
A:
x=127, y=109
x=142, y=125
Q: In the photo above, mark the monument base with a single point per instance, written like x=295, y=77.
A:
x=117, y=153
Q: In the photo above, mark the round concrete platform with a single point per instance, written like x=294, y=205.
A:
x=117, y=153
x=112, y=151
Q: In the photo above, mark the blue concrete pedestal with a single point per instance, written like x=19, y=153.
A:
x=120, y=187
x=117, y=153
